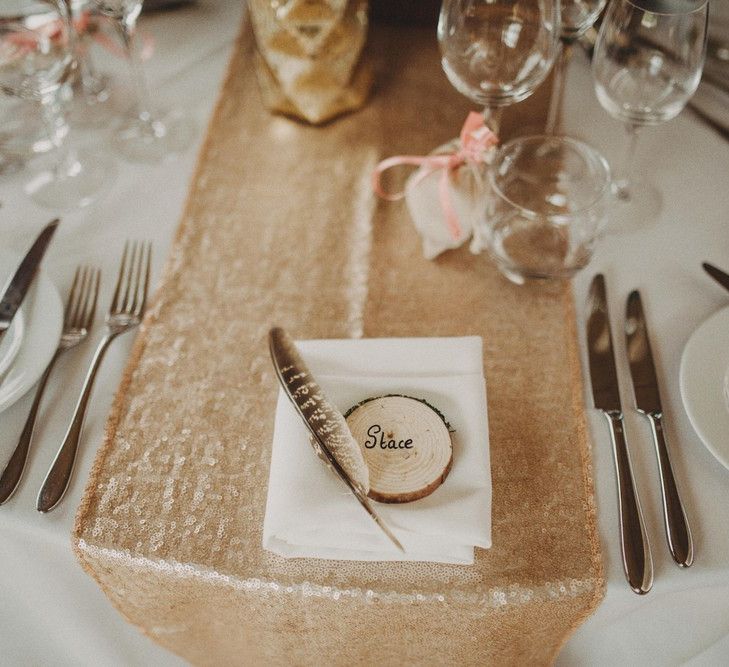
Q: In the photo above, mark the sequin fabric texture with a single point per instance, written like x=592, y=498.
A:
x=281, y=228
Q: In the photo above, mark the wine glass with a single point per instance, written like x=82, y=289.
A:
x=647, y=64
x=496, y=52
x=147, y=136
x=576, y=17
x=36, y=60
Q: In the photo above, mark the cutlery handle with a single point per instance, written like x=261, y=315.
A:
x=678, y=532
x=636, y=551
x=59, y=475
x=16, y=465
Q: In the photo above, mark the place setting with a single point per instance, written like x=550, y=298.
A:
x=38, y=330
x=353, y=416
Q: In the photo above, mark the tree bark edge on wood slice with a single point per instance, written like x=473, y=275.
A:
x=406, y=443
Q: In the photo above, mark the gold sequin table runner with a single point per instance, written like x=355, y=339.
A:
x=281, y=227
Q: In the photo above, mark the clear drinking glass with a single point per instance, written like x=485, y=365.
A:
x=36, y=60
x=548, y=206
x=647, y=64
x=576, y=16
x=147, y=136
x=496, y=52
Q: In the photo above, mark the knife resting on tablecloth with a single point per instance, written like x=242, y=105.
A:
x=636, y=552
x=648, y=403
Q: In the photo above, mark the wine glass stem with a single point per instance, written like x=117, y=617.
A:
x=144, y=104
x=556, y=104
x=492, y=118
x=623, y=184
x=85, y=72
x=88, y=75
x=65, y=158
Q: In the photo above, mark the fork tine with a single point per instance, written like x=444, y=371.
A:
x=128, y=292
x=145, y=283
x=91, y=312
x=82, y=289
x=88, y=291
x=134, y=278
x=115, y=304
x=140, y=278
x=71, y=298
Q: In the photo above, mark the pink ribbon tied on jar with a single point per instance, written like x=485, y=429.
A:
x=475, y=139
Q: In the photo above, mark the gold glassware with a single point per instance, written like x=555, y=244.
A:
x=308, y=60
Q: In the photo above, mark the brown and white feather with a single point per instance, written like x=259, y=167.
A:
x=324, y=419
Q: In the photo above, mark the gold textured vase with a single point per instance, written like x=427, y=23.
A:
x=308, y=59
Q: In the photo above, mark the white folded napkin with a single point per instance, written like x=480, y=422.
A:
x=311, y=513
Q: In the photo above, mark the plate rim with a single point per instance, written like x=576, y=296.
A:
x=18, y=331
x=685, y=383
x=42, y=284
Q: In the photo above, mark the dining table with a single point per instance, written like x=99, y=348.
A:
x=52, y=612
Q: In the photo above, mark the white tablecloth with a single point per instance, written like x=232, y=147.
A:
x=53, y=613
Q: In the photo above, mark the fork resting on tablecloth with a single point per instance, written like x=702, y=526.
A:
x=125, y=313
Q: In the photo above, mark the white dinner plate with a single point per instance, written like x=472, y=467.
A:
x=10, y=342
x=703, y=377
x=42, y=319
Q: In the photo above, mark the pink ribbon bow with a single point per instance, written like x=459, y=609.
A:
x=475, y=140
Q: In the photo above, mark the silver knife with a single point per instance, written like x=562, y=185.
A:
x=636, y=551
x=322, y=419
x=19, y=284
x=648, y=402
x=717, y=274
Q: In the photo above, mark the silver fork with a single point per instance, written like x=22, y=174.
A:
x=77, y=320
x=125, y=313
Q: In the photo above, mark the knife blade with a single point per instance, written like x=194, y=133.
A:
x=648, y=402
x=325, y=423
x=21, y=281
x=640, y=357
x=603, y=375
x=635, y=549
x=717, y=274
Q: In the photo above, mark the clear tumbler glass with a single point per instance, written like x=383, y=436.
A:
x=547, y=207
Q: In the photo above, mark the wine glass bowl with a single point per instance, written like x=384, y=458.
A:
x=647, y=66
x=496, y=52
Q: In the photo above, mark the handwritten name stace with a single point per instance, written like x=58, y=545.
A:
x=406, y=445
x=376, y=436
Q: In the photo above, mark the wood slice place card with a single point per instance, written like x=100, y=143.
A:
x=406, y=444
